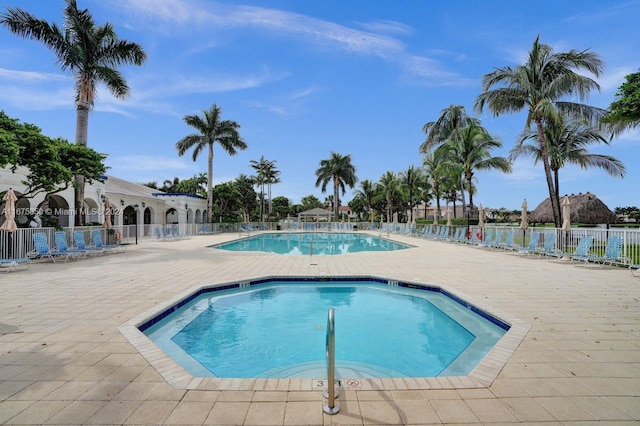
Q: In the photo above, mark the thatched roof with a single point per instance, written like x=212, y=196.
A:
x=585, y=208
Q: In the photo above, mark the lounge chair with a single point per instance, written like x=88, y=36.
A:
x=532, y=247
x=508, y=242
x=488, y=239
x=60, y=238
x=43, y=251
x=8, y=265
x=581, y=252
x=612, y=252
x=549, y=247
x=78, y=238
x=96, y=236
x=634, y=268
x=497, y=240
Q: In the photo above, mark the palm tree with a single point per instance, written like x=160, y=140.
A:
x=411, y=180
x=211, y=129
x=171, y=185
x=262, y=168
x=272, y=177
x=567, y=144
x=538, y=87
x=436, y=167
x=470, y=150
x=90, y=52
x=367, y=194
x=389, y=185
x=451, y=121
x=338, y=170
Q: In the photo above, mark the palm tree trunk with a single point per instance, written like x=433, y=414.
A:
x=210, y=185
x=556, y=179
x=463, y=198
x=82, y=126
x=555, y=201
x=336, y=201
x=469, y=182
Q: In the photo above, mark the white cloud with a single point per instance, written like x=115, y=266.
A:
x=386, y=26
x=146, y=163
x=611, y=81
x=29, y=76
x=192, y=15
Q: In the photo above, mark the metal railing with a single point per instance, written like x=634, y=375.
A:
x=17, y=244
x=331, y=407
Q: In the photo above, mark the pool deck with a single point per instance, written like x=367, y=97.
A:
x=65, y=360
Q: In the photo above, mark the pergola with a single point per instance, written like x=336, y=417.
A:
x=315, y=213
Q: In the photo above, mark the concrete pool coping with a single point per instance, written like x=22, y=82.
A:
x=482, y=376
x=63, y=361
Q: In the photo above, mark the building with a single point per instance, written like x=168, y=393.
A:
x=131, y=203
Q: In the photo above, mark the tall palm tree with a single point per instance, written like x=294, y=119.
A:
x=538, y=86
x=389, y=185
x=90, y=52
x=367, y=194
x=471, y=151
x=211, y=129
x=411, y=180
x=272, y=177
x=261, y=167
x=437, y=168
x=446, y=127
x=567, y=144
x=338, y=170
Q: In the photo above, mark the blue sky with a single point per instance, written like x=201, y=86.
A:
x=304, y=78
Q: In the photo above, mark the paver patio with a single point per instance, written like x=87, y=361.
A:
x=63, y=360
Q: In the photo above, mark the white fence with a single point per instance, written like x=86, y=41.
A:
x=19, y=243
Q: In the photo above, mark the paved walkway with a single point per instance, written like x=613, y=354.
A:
x=63, y=360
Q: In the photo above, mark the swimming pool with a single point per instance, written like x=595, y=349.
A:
x=276, y=328
x=316, y=243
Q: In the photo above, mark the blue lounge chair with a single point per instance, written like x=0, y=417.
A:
x=9, y=265
x=78, y=238
x=43, y=251
x=508, y=242
x=96, y=236
x=549, y=247
x=60, y=238
x=612, y=252
x=581, y=252
x=497, y=240
x=488, y=239
x=532, y=247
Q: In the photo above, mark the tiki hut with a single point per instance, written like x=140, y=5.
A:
x=585, y=208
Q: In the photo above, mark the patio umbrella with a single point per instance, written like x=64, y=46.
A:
x=449, y=216
x=481, y=217
x=566, y=214
x=435, y=216
x=395, y=217
x=9, y=224
x=524, y=224
x=107, y=214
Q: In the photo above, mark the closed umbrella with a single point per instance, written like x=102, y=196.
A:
x=524, y=224
x=449, y=216
x=9, y=224
x=107, y=214
x=566, y=220
x=566, y=214
x=481, y=217
x=435, y=216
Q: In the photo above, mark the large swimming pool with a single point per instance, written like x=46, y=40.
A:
x=276, y=329
x=312, y=243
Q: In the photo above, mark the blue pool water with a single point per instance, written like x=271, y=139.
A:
x=278, y=329
x=320, y=243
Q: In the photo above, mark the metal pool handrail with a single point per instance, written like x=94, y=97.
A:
x=331, y=407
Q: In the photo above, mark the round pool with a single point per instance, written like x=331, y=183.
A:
x=316, y=243
x=277, y=329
